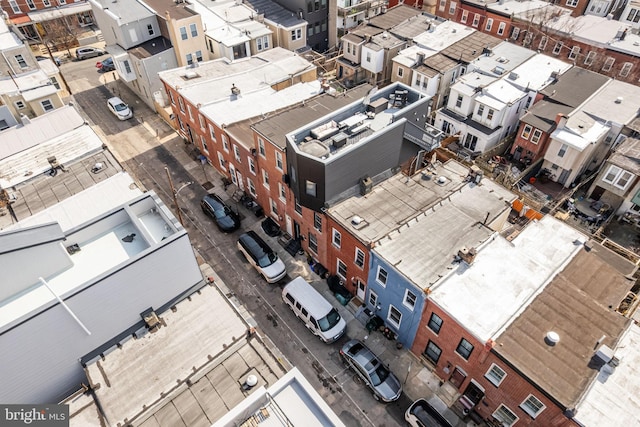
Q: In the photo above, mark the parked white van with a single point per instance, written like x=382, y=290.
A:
x=316, y=312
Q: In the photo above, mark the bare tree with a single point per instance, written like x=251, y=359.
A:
x=59, y=34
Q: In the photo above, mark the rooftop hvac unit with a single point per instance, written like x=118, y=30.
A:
x=604, y=353
x=366, y=185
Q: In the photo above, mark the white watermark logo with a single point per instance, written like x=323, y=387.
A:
x=53, y=415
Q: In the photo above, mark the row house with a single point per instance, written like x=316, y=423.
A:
x=288, y=30
x=617, y=183
x=481, y=111
x=28, y=87
x=352, y=13
x=59, y=24
x=560, y=97
x=583, y=138
x=500, y=60
x=211, y=102
x=339, y=157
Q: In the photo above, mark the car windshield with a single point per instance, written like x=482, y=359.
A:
x=329, y=321
x=120, y=107
x=379, y=375
x=220, y=212
x=267, y=259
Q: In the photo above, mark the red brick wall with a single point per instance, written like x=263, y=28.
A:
x=538, y=149
x=347, y=254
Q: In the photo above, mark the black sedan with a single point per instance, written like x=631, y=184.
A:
x=226, y=219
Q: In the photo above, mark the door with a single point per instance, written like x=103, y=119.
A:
x=296, y=230
x=289, y=225
x=458, y=377
x=240, y=182
x=361, y=289
x=232, y=171
x=564, y=176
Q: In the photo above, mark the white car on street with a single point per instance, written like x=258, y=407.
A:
x=119, y=108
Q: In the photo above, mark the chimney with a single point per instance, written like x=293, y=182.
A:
x=25, y=120
x=419, y=58
x=467, y=254
x=234, y=89
x=561, y=120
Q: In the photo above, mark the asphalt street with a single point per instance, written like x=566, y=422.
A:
x=145, y=146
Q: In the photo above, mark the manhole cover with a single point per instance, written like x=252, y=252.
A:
x=208, y=185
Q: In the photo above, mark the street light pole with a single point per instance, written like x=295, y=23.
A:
x=175, y=192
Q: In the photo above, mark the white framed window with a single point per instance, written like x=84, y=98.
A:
x=341, y=269
x=183, y=33
x=21, y=61
x=274, y=207
x=476, y=20
x=19, y=105
x=282, y=192
x=557, y=48
x=205, y=147
x=252, y=187
x=181, y=102
x=489, y=24
x=212, y=133
x=532, y=406
x=336, y=238
x=535, y=138
x=236, y=153
x=46, y=105
x=495, y=374
x=31, y=4
x=591, y=56
x=617, y=177
x=563, y=150
x=313, y=243
x=311, y=188
x=527, y=39
x=190, y=113
x=394, y=316
x=572, y=3
x=261, y=149
x=464, y=17
x=526, y=132
x=150, y=29
x=359, y=258
x=409, y=300
x=225, y=142
x=46, y=3
x=515, y=33
x=252, y=165
x=221, y=161
x=296, y=34
x=194, y=30
x=480, y=110
x=317, y=221
x=297, y=206
x=381, y=276
x=400, y=72
x=501, y=28
x=575, y=51
x=634, y=15
x=490, y=113
x=459, y=101
x=14, y=6
x=373, y=299
x=626, y=69
x=543, y=43
x=262, y=43
x=279, y=160
x=452, y=8
x=608, y=64
x=201, y=120
x=265, y=178
x=199, y=55
x=505, y=416
x=443, y=5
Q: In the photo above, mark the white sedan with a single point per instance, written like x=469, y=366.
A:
x=119, y=108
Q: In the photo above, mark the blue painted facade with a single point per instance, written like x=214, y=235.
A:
x=394, y=293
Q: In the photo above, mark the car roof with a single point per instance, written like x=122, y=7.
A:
x=214, y=200
x=254, y=243
x=115, y=100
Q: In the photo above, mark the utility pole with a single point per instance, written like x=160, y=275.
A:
x=175, y=192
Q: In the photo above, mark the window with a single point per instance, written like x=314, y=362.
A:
x=543, y=43
x=617, y=177
x=21, y=61
x=311, y=188
x=563, y=150
x=201, y=120
x=501, y=28
x=191, y=114
x=588, y=60
x=205, y=148
x=526, y=131
x=239, y=51
x=535, y=138
x=31, y=4
x=150, y=29
x=183, y=33
x=252, y=187
x=14, y=6
x=505, y=416
x=527, y=39
x=261, y=147
x=515, y=32
x=532, y=406
x=409, y=299
x=480, y=110
x=373, y=299
x=199, y=55
x=194, y=30
x=279, y=160
x=490, y=114
x=557, y=48
x=574, y=52
x=54, y=82
x=262, y=43
x=336, y=238
x=572, y=3
x=296, y=34
x=432, y=352
x=381, y=276
x=464, y=349
x=400, y=72
x=435, y=323
x=265, y=178
x=212, y=133
x=236, y=152
x=181, y=102
x=297, y=206
x=274, y=206
x=252, y=165
x=495, y=374
x=470, y=142
x=476, y=20
x=459, y=101
x=626, y=68
x=342, y=270
x=127, y=66
x=309, y=6
x=489, y=24
x=443, y=5
x=634, y=15
x=452, y=8
x=359, y=258
x=313, y=243
x=225, y=139
x=394, y=316
x=46, y=105
x=46, y=3
x=19, y=105
x=464, y=16
x=368, y=59
x=608, y=64
x=317, y=221
x=221, y=161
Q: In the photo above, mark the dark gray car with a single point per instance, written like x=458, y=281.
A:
x=226, y=219
x=372, y=371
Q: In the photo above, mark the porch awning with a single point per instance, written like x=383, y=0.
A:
x=20, y=20
x=58, y=12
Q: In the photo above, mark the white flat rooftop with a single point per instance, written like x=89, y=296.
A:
x=617, y=102
x=506, y=55
x=614, y=397
x=442, y=36
x=505, y=276
x=580, y=131
x=535, y=74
